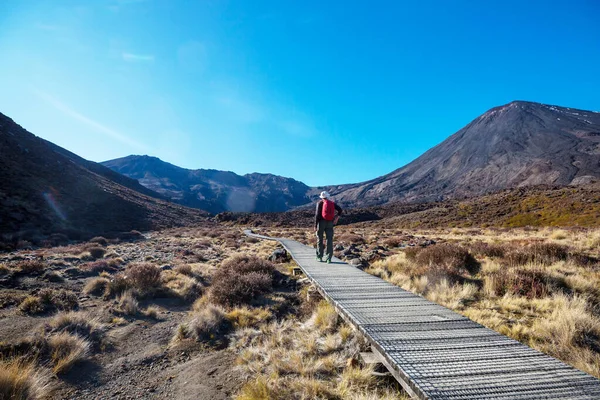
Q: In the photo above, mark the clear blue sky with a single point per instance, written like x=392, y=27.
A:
x=325, y=92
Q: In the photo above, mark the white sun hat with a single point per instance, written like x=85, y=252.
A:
x=324, y=195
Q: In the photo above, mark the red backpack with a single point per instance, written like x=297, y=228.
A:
x=328, y=211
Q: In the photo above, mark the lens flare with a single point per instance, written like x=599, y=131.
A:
x=54, y=205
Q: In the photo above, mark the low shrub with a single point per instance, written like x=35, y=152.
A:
x=96, y=286
x=117, y=285
x=206, y=325
x=530, y=283
x=99, y=240
x=96, y=252
x=350, y=238
x=232, y=289
x=448, y=258
x=77, y=323
x=143, y=276
x=31, y=266
x=48, y=300
x=539, y=253
x=484, y=249
x=96, y=267
x=393, y=242
x=64, y=300
x=411, y=253
x=244, y=264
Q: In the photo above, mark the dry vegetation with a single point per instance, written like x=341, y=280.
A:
x=116, y=317
x=540, y=287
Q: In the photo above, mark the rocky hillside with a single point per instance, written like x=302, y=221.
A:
x=516, y=145
x=212, y=190
x=45, y=189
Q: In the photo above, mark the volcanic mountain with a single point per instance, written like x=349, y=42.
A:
x=46, y=189
x=212, y=190
x=515, y=145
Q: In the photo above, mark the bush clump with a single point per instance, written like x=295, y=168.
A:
x=49, y=300
x=530, y=283
x=31, y=266
x=208, y=324
x=96, y=267
x=446, y=260
x=143, y=276
x=539, y=253
x=484, y=249
x=96, y=252
x=240, y=280
x=99, y=240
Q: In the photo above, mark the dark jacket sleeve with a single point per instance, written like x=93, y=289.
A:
x=338, y=209
x=319, y=212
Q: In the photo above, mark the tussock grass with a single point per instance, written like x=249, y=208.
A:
x=66, y=350
x=294, y=360
x=184, y=286
x=326, y=317
x=529, y=287
x=4, y=270
x=82, y=324
x=96, y=286
x=48, y=300
x=127, y=304
x=245, y=317
x=206, y=325
x=20, y=380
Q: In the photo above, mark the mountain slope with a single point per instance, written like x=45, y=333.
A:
x=46, y=189
x=519, y=144
x=212, y=190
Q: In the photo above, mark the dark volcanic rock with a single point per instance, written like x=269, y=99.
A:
x=519, y=144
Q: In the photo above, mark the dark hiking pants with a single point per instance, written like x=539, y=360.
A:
x=325, y=227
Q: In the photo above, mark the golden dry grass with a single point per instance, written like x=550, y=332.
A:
x=20, y=380
x=295, y=360
x=549, y=303
x=66, y=350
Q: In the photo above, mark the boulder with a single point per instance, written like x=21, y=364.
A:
x=279, y=256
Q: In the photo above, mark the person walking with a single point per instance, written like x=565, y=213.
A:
x=325, y=219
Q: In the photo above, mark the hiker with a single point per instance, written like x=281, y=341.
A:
x=325, y=219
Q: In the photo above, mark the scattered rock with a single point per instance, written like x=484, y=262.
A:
x=279, y=256
x=356, y=262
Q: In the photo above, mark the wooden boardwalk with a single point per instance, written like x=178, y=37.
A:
x=434, y=352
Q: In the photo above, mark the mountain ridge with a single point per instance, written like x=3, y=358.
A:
x=46, y=189
x=213, y=190
x=521, y=143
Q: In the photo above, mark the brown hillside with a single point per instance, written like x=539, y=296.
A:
x=45, y=189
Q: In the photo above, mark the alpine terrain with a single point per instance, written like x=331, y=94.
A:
x=515, y=145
